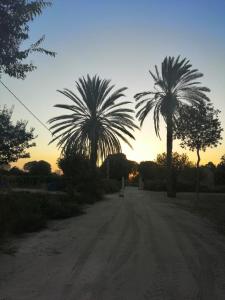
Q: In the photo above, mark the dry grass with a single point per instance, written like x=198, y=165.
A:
x=210, y=206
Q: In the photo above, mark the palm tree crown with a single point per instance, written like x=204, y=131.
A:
x=97, y=120
x=176, y=84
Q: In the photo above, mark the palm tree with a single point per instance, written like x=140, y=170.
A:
x=174, y=86
x=98, y=120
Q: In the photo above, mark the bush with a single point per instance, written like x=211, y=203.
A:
x=27, y=212
x=60, y=207
x=184, y=186
x=154, y=185
x=111, y=186
x=52, y=182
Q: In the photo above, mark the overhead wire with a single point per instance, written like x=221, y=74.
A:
x=21, y=102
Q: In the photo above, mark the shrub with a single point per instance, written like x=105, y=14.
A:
x=27, y=212
x=111, y=186
x=155, y=185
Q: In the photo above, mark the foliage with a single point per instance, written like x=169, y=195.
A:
x=198, y=127
x=14, y=139
x=15, y=18
x=222, y=161
x=39, y=168
x=111, y=186
x=149, y=170
x=16, y=171
x=97, y=120
x=117, y=166
x=211, y=166
x=154, y=185
x=80, y=178
x=26, y=212
x=176, y=84
x=75, y=167
x=25, y=180
x=179, y=161
x=220, y=172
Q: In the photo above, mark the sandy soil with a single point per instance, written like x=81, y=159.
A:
x=137, y=247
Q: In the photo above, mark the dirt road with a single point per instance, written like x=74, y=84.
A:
x=132, y=248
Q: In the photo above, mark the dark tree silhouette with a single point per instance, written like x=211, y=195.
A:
x=40, y=168
x=117, y=166
x=97, y=121
x=14, y=139
x=176, y=84
x=198, y=127
x=76, y=168
x=148, y=169
x=220, y=171
x=15, y=18
x=179, y=161
x=222, y=161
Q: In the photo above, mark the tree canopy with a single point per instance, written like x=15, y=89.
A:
x=198, y=127
x=40, y=168
x=179, y=161
x=117, y=166
x=15, y=139
x=15, y=18
x=74, y=166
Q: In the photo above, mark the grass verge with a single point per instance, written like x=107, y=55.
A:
x=209, y=206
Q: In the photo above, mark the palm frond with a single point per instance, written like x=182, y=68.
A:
x=176, y=83
x=96, y=113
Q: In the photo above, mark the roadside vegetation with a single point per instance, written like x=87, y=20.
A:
x=26, y=212
x=211, y=207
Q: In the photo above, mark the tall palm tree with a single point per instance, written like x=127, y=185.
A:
x=98, y=120
x=174, y=85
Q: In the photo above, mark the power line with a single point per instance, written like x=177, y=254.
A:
x=20, y=101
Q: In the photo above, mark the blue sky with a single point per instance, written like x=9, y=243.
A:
x=120, y=40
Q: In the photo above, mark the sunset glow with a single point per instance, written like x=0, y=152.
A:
x=122, y=46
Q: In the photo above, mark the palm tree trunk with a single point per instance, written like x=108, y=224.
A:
x=197, y=174
x=93, y=156
x=170, y=185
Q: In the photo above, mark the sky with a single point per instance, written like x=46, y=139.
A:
x=120, y=40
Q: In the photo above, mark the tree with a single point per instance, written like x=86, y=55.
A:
x=77, y=171
x=148, y=169
x=97, y=121
x=15, y=18
x=222, y=161
x=198, y=127
x=220, y=171
x=117, y=166
x=40, y=168
x=211, y=166
x=179, y=161
x=16, y=171
x=75, y=167
x=176, y=84
x=14, y=139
